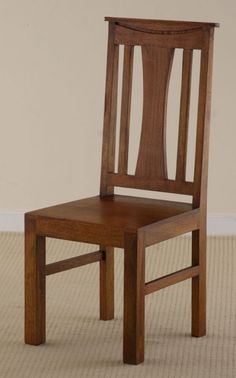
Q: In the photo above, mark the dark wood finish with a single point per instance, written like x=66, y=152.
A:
x=170, y=227
x=73, y=262
x=107, y=284
x=171, y=279
x=130, y=35
x=35, y=312
x=125, y=109
x=170, y=26
x=203, y=125
x=156, y=70
x=184, y=115
x=199, y=282
x=133, y=223
x=160, y=185
x=74, y=231
x=110, y=112
x=134, y=281
x=104, y=220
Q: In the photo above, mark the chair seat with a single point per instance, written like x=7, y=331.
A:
x=112, y=215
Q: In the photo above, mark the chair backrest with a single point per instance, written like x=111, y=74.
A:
x=158, y=40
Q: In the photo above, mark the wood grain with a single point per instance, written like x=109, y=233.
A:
x=127, y=35
x=73, y=262
x=152, y=149
x=184, y=115
x=203, y=124
x=146, y=183
x=35, y=285
x=110, y=112
x=172, y=26
x=107, y=284
x=199, y=282
x=125, y=109
x=134, y=279
x=104, y=220
x=170, y=227
x=171, y=279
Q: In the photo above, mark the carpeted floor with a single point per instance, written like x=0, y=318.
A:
x=79, y=345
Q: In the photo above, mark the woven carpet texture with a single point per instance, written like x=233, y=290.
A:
x=80, y=345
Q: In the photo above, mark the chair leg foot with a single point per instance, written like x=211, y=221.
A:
x=35, y=284
x=199, y=283
x=134, y=281
x=107, y=284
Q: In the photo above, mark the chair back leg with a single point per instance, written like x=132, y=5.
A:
x=199, y=283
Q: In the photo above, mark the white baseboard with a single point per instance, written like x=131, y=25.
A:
x=13, y=222
x=217, y=224
x=221, y=224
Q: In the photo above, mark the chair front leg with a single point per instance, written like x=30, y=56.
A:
x=35, y=283
x=199, y=283
x=107, y=284
x=134, y=311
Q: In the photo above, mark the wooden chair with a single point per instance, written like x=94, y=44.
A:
x=132, y=223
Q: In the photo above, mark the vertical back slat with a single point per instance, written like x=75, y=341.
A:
x=203, y=123
x=184, y=115
x=125, y=109
x=109, y=129
x=157, y=64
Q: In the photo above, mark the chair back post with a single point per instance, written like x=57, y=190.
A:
x=110, y=112
x=203, y=124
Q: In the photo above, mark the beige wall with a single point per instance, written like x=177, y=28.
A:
x=52, y=73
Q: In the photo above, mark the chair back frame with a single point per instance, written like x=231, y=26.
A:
x=158, y=41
